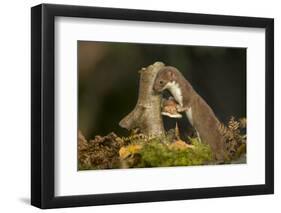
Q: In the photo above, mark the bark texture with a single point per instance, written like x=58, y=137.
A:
x=146, y=116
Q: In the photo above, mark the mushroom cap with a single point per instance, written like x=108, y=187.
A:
x=169, y=108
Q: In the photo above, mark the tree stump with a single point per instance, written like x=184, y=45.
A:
x=146, y=116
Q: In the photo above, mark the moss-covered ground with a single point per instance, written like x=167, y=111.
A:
x=140, y=151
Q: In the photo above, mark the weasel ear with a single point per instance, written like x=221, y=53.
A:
x=171, y=74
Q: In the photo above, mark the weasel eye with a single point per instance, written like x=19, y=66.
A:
x=161, y=82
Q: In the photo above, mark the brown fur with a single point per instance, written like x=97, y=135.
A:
x=203, y=117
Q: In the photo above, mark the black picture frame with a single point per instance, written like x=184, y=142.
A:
x=43, y=117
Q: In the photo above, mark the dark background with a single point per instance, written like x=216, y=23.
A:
x=109, y=79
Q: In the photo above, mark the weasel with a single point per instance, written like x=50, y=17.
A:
x=198, y=112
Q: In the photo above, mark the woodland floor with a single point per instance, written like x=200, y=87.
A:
x=138, y=151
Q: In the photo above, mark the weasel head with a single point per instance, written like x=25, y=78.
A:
x=165, y=76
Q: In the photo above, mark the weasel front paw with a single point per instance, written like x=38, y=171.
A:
x=181, y=109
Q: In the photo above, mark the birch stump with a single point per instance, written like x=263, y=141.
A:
x=146, y=116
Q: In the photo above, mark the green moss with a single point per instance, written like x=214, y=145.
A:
x=157, y=152
x=140, y=151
